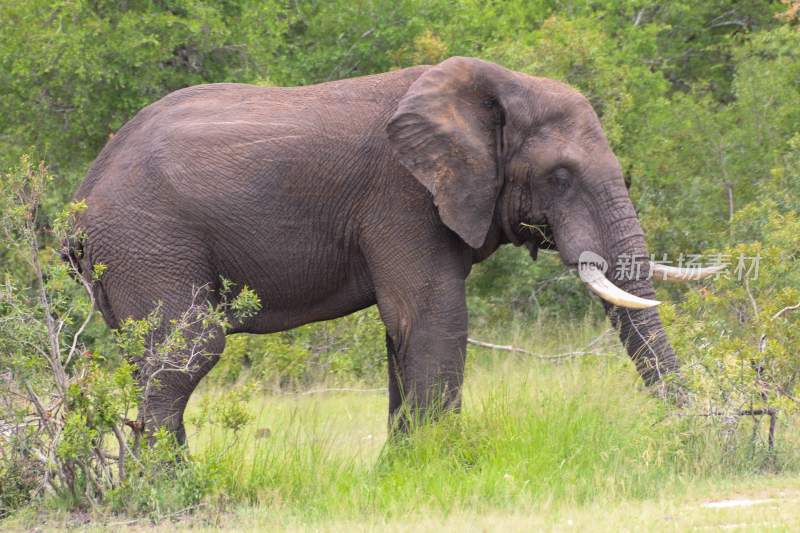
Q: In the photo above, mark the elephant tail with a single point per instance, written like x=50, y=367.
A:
x=75, y=254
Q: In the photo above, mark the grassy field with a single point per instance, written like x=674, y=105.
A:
x=538, y=446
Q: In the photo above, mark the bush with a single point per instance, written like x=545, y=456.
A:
x=737, y=334
x=349, y=349
x=20, y=476
x=157, y=486
x=65, y=405
x=59, y=403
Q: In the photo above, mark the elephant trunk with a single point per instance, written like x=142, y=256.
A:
x=603, y=238
x=643, y=336
x=640, y=329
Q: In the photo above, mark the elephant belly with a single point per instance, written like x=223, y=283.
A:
x=299, y=281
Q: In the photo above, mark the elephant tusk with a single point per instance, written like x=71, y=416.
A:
x=594, y=278
x=682, y=274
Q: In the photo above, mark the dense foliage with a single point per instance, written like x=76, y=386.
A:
x=700, y=100
x=65, y=404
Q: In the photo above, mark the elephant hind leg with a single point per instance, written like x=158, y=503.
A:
x=170, y=371
x=173, y=369
x=172, y=365
x=168, y=384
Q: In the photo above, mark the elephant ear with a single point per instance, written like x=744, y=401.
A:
x=448, y=132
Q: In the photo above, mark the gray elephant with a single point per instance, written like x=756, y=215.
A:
x=382, y=189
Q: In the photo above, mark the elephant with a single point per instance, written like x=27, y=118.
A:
x=383, y=189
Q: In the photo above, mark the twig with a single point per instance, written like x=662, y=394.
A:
x=179, y=512
x=504, y=347
x=123, y=449
x=538, y=228
x=346, y=55
x=638, y=19
x=719, y=21
x=738, y=23
x=76, y=337
x=762, y=343
x=343, y=389
x=750, y=296
x=559, y=277
x=54, y=357
x=597, y=339
x=729, y=189
x=786, y=310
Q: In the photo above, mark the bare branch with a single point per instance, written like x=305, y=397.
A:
x=786, y=310
x=738, y=23
x=543, y=357
x=638, y=19
x=89, y=315
x=750, y=296
x=729, y=190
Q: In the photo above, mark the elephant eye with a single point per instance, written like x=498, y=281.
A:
x=561, y=178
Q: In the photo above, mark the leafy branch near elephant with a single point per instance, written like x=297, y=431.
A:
x=384, y=190
x=66, y=400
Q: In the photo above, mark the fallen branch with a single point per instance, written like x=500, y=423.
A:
x=543, y=357
x=770, y=412
x=504, y=347
x=341, y=389
x=168, y=516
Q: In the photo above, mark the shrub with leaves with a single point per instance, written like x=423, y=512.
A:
x=156, y=485
x=739, y=335
x=66, y=404
x=58, y=403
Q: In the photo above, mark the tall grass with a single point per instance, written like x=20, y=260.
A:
x=530, y=434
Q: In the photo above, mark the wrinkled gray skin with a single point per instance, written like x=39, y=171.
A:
x=330, y=198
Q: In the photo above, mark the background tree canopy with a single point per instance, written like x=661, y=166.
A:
x=701, y=101
x=698, y=99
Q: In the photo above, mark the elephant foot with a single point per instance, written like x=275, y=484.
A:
x=164, y=415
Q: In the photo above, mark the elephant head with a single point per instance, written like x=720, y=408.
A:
x=501, y=149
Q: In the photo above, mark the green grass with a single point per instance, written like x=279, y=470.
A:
x=537, y=446
x=532, y=435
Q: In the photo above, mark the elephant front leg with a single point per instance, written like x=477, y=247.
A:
x=426, y=339
x=425, y=376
